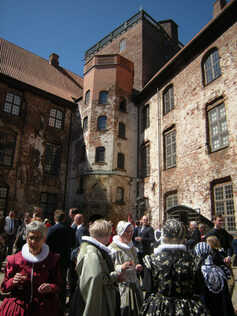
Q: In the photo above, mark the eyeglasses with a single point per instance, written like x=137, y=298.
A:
x=129, y=232
x=35, y=238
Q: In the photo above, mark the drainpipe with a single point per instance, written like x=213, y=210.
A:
x=159, y=153
x=138, y=159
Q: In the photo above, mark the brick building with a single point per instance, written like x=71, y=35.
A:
x=151, y=125
x=37, y=100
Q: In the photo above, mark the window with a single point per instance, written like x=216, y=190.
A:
x=56, y=118
x=87, y=97
x=120, y=161
x=146, y=116
x=122, y=104
x=12, y=104
x=85, y=123
x=103, y=97
x=119, y=195
x=101, y=123
x=7, y=149
x=48, y=203
x=168, y=99
x=171, y=200
x=146, y=161
x=3, y=197
x=100, y=154
x=211, y=67
x=52, y=159
x=81, y=185
x=224, y=204
x=121, y=130
x=83, y=153
x=170, y=149
x=218, y=131
x=122, y=45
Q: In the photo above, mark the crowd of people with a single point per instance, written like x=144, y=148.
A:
x=115, y=270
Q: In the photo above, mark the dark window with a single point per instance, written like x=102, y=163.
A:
x=52, y=159
x=170, y=149
x=146, y=116
x=121, y=130
x=103, y=97
x=3, y=198
x=48, y=203
x=100, y=154
x=12, y=104
x=87, y=97
x=122, y=45
x=85, y=124
x=120, y=161
x=7, y=149
x=81, y=186
x=83, y=153
x=218, y=131
x=122, y=104
x=224, y=204
x=56, y=118
x=119, y=195
x=101, y=123
x=146, y=161
x=168, y=100
x=211, y=67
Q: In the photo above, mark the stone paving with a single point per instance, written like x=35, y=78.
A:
x=234, y=298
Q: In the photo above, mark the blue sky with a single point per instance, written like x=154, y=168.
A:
x=70, y=27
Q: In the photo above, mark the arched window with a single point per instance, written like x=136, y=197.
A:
x=87, y=97
x=168, y=99
x=211, y=67
x=12, y=104
x=103, y=97
x=121, y=130
x=120, y=161
x=100, y=154
x=119, y=195
x=101, y=123
x=122, y=104
x=56, y=118
x=122, y=45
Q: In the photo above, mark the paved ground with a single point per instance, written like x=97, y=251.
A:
x=234, y=298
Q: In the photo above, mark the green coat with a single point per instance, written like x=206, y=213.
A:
x=97, y=291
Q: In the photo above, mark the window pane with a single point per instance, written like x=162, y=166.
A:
x=146, y=116
x=52, y=159
x=120, y=162
x=224, y=204
x=12, y=104
x=7, y=148
x=170, y=149
x=102, y=123
x=87, y=97
x=3, y=197
x=103, y=98
x=146, y=161
x=168, y=100
x=56, y=118
x=85, y=123
x=100, y=154
x=122, y=45
x=212, y=67
x=121, y=132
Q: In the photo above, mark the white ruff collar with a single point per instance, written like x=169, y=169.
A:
x=97, y=243
x=169, y=247
x=121, y=244
x=35, y=258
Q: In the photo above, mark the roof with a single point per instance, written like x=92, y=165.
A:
x=206, y=36
x=22, y=65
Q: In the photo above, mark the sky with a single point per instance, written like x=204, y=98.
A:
x=69, y=27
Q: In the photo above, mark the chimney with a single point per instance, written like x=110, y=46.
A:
x=53, y=60
x=171, y=28
x=218, y=5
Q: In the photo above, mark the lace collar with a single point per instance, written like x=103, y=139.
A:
x=121, y=244
x=169, y=247
x=35, y=258
x=96, y=243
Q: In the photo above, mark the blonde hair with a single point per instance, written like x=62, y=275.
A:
x=214, y=242
x=100, y=228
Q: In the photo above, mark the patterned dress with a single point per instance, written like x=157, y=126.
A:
x=130, y=291
x=172, y=284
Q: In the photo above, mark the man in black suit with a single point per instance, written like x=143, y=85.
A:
x=72, y=213
x=61, y=239
x=81, y=230
x=144, y=239
x=194, y=236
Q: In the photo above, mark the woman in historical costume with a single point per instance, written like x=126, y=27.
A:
x=97, y=291
x=212, y=281
x=124, y=256
x=32, y=277
x=172, y=277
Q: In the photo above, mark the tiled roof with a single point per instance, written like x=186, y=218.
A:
x=22, y=65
